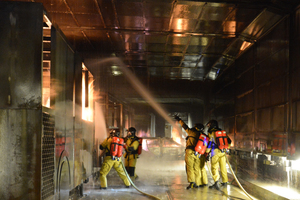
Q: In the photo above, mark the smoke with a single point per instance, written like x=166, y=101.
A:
x=141, y=89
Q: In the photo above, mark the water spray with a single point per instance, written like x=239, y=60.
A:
x=138, y=86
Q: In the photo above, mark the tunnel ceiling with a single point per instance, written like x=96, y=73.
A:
x=168, y=39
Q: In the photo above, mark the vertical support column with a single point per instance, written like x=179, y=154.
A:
x=190, y=124
x=152, y=125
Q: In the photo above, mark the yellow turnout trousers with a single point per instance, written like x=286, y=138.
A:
x=203, y=174
x=192, y=166
x=216, y=160
x=108, y=163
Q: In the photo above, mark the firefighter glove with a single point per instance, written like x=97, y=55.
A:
x=206, y=155
x=176, y=117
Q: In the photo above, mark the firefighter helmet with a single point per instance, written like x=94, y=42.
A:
x=199, y=127
x=212, y=124
x=132, y=130
x=116, y=132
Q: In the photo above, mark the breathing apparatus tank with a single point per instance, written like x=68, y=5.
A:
x=201, y=144
x=140, y=148
x=120, y=148
x=114, y=147
x=222, y=140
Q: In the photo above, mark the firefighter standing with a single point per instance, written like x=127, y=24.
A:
x=192, y=161
x=203, y=175
x=109, y=162
x=217, y=155
x=131, y=155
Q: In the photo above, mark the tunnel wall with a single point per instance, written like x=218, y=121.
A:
x=74, y=136
x=27, y=170
x=20, y=100
x=256, y=101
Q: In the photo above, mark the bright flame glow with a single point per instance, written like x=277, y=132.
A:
x=144, y=145
x=87, y=112
x=175, y=134
x=142, y=133
x=46, y=84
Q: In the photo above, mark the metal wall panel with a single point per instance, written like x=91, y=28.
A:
x=244, y=82
x=267, y=105
x=244, y=103
x=20, y=77
x=20, y=100
x=244, y=123
x=20, y=147
x=74, y=136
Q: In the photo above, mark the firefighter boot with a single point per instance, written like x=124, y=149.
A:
x=191, y=185
x=224, y=184
x=215, y=185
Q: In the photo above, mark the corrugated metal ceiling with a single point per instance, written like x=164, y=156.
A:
x=193, y=40
x=186, y=41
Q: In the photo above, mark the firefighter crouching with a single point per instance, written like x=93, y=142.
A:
x=113, y=147
x=192, y=160
x=131, y=154
x=219, y=142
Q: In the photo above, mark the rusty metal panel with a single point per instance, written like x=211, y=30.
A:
x=20, y=79
x=244, y=141
x=272, y=67
x=276, y=41
x=279, y=91
x=20, y=144
x=263, y=95
x=294, y=138
x=226, y=109
x=244, y=123
x=245, y=82
x=279, y=123
x=264, y=120
x=245, y=103
x=229, y=126
x=296, y=117
x=295, y=80
x=245, y=62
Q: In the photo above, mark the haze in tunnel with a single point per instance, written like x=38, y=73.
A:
x=141, y=89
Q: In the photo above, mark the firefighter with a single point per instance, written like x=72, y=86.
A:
x=203, y=175
x=110, y=162
x=192, y=160
x=217, y=155
x=131, y=154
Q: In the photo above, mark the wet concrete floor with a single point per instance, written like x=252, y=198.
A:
x=163, y=179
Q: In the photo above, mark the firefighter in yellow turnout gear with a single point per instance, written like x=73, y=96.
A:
x=192, y=161
x=217, y=155
x=108, y=162
x=131, y=155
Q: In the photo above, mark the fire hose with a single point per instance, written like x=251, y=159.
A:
x=241, y=187
x=236, y=178
x=135, y=185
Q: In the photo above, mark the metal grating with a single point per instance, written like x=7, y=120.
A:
x=48, y=145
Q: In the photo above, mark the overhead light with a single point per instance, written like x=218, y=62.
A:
x=115, y=70
x=245, y=45
x=47, y=22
